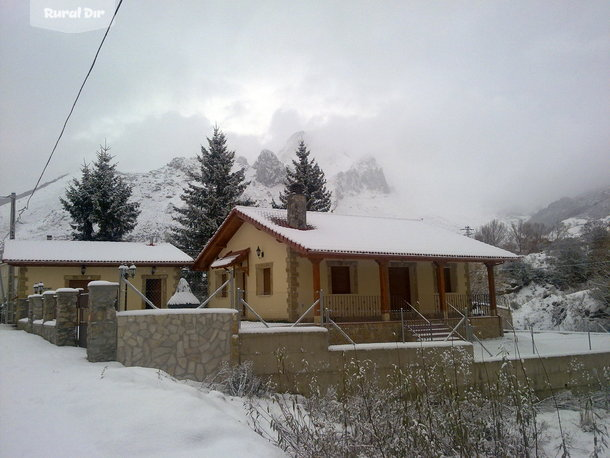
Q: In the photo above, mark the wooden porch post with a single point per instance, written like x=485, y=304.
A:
x=491, y=285
x=315, y=264
x=384, y=288
x=440, y=283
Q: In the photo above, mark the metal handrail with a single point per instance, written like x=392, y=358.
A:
x=317, y=301
x=204, y=303
x=464, y=317
x=449, y=304
x=454, y=330
x=329, y=320
x=253, y=311
x=417, y=311
x=140, y=294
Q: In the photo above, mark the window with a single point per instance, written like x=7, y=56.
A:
x=221, y=278
x=450, y=277
x=264, y=279
x=340, y=280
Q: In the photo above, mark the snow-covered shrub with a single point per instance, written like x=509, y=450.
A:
x=239, y=380
x=422, y=410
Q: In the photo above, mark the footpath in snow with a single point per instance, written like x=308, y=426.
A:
x=54, y=403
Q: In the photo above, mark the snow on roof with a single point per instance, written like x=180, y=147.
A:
x=79, y=252
x=332, y=233
x=224, y=262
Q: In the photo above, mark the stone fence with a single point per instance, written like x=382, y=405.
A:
x=185, y=343
x=291, y=358
x=194, y=343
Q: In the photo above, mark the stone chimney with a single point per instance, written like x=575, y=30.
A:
x=297, y=207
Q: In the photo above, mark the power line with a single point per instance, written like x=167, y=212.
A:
x=22, y=210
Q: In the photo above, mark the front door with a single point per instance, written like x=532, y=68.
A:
x=400, y=287
x=154, y=292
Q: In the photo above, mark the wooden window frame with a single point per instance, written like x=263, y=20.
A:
x=221, y=277
x=260, y=279
x=353, y=275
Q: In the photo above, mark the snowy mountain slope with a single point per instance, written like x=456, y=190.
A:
x=159, y=190
x=587, y=206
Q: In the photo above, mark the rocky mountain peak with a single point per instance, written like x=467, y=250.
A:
x=366, y=174
x=270, y=171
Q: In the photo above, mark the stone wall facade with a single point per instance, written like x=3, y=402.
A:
x=66, y=321
x=21, y=309
x=185, y=343
x=48, y=305
x=34, y=311
x=102, y=323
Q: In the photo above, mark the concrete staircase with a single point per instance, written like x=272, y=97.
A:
x=436, y=330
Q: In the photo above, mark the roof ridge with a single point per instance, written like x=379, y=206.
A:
x=337, y=214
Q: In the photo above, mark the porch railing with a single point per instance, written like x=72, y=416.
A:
x=353, y=306
x=469, y=304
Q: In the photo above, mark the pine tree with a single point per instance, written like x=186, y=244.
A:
x=308, y=173
x=99, y=203
x=212, y=191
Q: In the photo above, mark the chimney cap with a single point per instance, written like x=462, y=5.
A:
x=296, y=188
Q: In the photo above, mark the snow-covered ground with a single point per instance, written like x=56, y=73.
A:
x=546, y=343
x=54, y=403
x=544, y=306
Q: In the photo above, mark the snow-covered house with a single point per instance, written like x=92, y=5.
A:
x=365, y=268
x=73, y=264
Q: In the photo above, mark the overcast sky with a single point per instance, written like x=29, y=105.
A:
x=494, y=104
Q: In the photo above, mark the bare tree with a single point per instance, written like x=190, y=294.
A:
x=528, y=237
x=494, y=233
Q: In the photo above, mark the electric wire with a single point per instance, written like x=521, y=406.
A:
x=23, y=209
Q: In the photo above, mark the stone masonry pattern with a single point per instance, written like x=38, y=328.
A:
x=185, y=345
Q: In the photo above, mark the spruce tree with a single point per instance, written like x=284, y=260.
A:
x=308, y=173
x=212, y=191
x=99, y=203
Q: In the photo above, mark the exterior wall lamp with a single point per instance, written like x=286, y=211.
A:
x=260, y=253
x=38, y=288
x=153, y=269
x=127, y=272
x=83, y=269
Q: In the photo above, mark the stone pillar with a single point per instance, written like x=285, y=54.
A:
x=36, y=306
x=66, y=317
x=10, y=312
x=48, y=306
x=21, y=310
x=102, y=326
x=28, y=326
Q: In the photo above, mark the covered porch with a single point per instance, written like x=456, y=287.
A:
x=368, y=290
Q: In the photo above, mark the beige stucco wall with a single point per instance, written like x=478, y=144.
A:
x=55, y=277
x=274, y=306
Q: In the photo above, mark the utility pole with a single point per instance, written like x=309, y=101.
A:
x=11, y=269
x=468, y=231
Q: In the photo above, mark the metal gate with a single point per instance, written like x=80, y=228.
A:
x=82, y=317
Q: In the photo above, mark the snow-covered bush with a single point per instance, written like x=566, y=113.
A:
x=423, y=410
x=239, y=380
